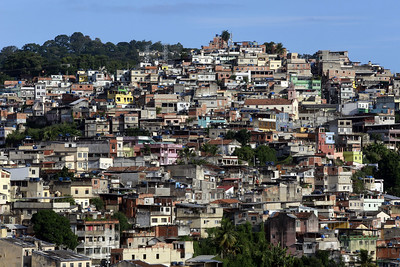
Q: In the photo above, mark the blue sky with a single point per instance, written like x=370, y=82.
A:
x=367, y=29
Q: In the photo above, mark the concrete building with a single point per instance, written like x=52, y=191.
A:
x=59, y=258
x=96, y=237
x=19, y=251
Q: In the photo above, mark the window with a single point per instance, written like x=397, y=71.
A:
x=5, y=187
x=144, y=256
x=157, y=256
x=71, y=264
x=76, y=191
x=154, y=220
x=164, y=220
x=87, y=191
x=133, y=256
x=80, y=264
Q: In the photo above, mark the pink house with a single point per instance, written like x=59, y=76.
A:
x=167, y=153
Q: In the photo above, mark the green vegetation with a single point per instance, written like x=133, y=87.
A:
x=389, y=165
x=243, y=246
x=67, y=54
x=211, y=150
x=189, y=156
x=186, y=155
x=243, y=136
x=273, y=48
x=123, y=221
x=15, y=138
x=358, y=184
x=98, y=203
x=259, y=156
x=365, y=260
x=48, y=133
x=225, y=35
x=64, y=172
x=54, y=228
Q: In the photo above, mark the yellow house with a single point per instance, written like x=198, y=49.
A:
x=353, y=156
x=267, y=124
x=357, y=239
x=121, y=96
x=159, y=253
x=81, y=191
x=274, y=64
x=5, y=186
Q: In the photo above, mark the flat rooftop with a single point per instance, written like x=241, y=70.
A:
x=62, y=255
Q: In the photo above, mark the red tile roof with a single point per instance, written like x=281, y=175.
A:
x=225, y=201
x=220, y=142
x=277, y=101
x=225, y=187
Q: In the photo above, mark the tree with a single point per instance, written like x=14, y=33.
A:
x=225, y=35
x=243, y=136
x=358, y=183
x=123, y=221
x=64, y=172
x=186, y=155
x=389, y=165
x=14, y=139
x=225, y=238
x=279, y=49
x=78, y=42
x=265, y=154
x=98, y=203
x=269, y=47
x=209, y=149
x=242, y=245
x=23, y=64
x=365, y=260
x=54, y=228
x=245, y=153
x=146, y=150
x=273, y=48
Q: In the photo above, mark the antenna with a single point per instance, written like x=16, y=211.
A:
x=165, y=53
x=147, y=54
x=230, y=42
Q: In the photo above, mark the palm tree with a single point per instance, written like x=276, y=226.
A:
x=186, y=155
x=209, y=149
x=225, y=238
x=365, y=259
x=269, y=47
x=279, y=49
x=279, y=257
